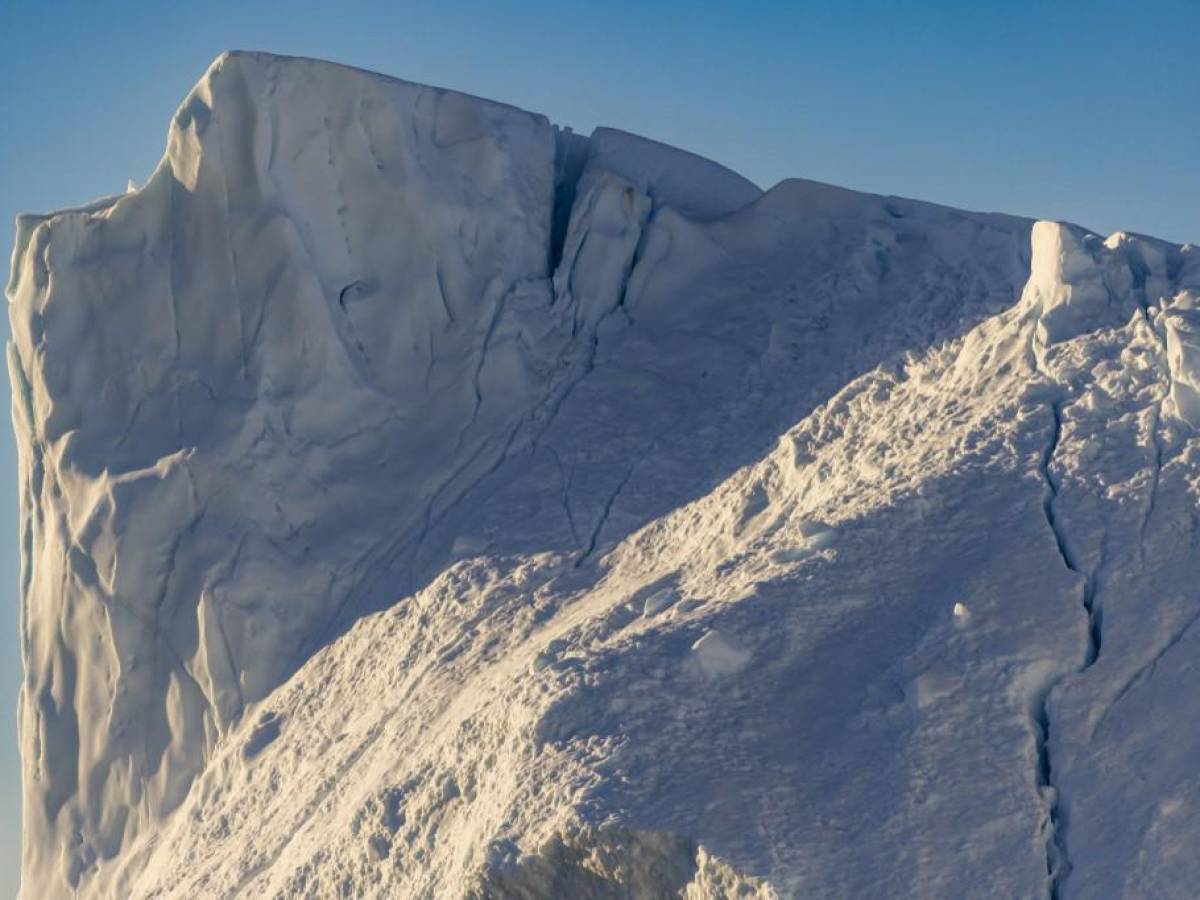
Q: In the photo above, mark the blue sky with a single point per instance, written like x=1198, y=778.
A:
x=1083, y=111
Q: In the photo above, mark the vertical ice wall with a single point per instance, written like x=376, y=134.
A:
x=245, y=392
x=295, y=307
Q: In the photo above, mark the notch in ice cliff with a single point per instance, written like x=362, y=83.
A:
x=417, y=499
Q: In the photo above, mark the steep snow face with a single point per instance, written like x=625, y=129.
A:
x=422, y=500
x=301, y=305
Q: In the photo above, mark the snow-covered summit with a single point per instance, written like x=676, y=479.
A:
x=419, y=499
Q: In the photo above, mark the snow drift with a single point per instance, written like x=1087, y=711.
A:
x=419, y=499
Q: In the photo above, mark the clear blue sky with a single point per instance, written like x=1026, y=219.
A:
x=1084, y=111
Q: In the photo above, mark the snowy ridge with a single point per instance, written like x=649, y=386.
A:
x=419, y=499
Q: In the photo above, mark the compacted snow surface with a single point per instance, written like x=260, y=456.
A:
x=420, y=500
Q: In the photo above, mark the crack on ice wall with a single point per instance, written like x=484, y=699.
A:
x=476, y=375
x=566, y=477
x=570, y=158
x=1049, y=501
x=547, y=408
x=1053, y=828
x=441, y=286
x=1146, y=671
x=572, y=214
x=411, y=540
x=604, y=514
x=1057, y=863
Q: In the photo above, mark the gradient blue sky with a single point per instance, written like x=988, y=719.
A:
x=1085, y=111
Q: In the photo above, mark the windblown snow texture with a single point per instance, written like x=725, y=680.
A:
x=419, y=499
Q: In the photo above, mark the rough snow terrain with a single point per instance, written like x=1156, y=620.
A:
x=420, y=500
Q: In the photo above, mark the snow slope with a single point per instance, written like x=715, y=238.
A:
x=419, y=499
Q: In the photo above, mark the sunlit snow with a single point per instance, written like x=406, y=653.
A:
x=419, y=499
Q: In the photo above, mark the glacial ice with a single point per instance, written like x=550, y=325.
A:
x=421, y=499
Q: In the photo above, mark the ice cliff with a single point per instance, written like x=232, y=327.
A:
x=419, y=499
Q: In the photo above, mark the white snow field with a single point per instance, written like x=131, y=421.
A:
x=420, y=500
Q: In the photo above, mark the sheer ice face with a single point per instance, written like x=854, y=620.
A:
x=420, y=499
